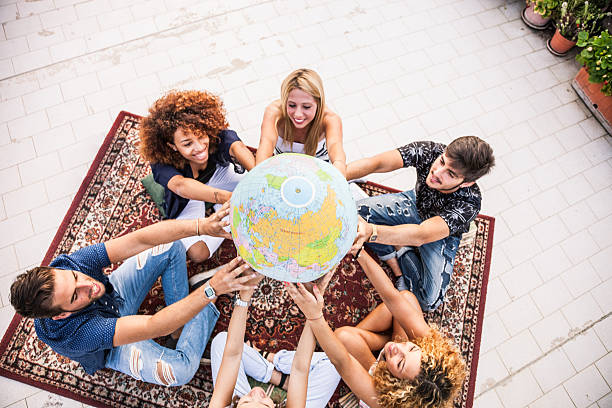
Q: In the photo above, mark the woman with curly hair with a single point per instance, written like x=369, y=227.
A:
x=300, y=122
x=419, y=368
x=186, y=139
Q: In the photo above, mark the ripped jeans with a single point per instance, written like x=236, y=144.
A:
x=146, y=360
x=427, y=269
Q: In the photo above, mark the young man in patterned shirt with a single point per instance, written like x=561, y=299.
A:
x=418, y=231
x=92, y=318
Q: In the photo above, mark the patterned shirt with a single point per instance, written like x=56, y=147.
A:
x=457, y=209
x=87, y=335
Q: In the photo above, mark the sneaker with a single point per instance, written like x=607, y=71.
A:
x=201, y=278
x=400, y=283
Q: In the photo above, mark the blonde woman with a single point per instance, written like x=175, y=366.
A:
x=300, y=122
x=416, y=367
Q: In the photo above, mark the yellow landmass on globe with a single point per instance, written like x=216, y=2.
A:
x=304, y=239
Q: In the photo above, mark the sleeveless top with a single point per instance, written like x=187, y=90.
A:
x=282, y=146
x=371, y=372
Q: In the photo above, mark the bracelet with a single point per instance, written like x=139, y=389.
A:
x=197, y=226
x=316, y=318
x=216, y=198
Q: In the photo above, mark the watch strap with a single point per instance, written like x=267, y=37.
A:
x=374, y=235
x=240, y=302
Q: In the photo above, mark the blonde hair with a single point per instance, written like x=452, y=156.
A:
x=310, y=82
x=436, y=386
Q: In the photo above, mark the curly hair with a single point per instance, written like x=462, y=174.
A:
x=199, y=112
x=440, y=378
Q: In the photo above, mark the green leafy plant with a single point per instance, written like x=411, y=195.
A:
x=579, y=16
x=596, y=57
x=546, y=8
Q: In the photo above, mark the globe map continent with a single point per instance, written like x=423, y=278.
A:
x=293, y=217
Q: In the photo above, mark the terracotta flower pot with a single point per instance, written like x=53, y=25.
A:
x=598, y=103
x=533, y=19
x=559, y=45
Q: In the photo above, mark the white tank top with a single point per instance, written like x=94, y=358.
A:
x=282, y=146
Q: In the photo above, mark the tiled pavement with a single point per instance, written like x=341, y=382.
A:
x=396, y=71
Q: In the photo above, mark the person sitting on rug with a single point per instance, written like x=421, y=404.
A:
x=418, y=231
x=416, y=367
x=186, y=140
x=311, y=384
x=301, y=123
x=91, y=318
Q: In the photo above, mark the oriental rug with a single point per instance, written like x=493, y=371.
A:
x=111, y=202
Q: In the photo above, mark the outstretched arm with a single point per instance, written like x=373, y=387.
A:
x=130, y=329
x=243, y=154
x=232, y=354
x=269, y=135
x=381, y=163
x=408, y=314
x=298, y=381
x=333, y=135
x=353, y=374
x=430, y=230
x=164, y=232
x=195, y=190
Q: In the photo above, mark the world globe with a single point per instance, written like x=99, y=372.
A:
x=293, y=217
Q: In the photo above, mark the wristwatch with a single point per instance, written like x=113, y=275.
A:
x=374, y=235
x=240, y=302
x=209, y=292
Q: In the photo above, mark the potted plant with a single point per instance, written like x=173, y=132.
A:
x=593, y=83
x=574, y=16
x=537, y=13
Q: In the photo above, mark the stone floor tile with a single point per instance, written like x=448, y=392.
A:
x=548, y=203
x=574, y=162
x=65, y=183
x=582, y=311
x=578, y=216
x=42, y=98
x=551, y=331
x=592, y=128
x=575, y=188
x=552, y=295
x=523, y=246
x=601, y=263
x=552, y=370
x=557, y=398
x=580, y=246
x=599, y=176
x=13, y=391
x=604, y=365
x=25, y=198
x=519, y=391
x=31, y=250
x=550, y=231
x=46, y=399
x=581, y=278
x=602, y=296
x=29, y=125
x=521, y=280
x=491, y=369
x=584, y=349
x=487, y=399
x=605, y=402
x=519, y=315
x=493, y=332
x=522, y=160
x=598, y=150
x=518, y=351
x=586, y=387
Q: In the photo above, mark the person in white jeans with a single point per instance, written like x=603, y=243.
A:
x=322, y=377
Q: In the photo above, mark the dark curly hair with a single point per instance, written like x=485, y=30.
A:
x=199, y=112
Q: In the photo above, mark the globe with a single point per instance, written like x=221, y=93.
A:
x=293, y=217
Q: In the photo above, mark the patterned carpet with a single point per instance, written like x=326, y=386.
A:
x=112, y=202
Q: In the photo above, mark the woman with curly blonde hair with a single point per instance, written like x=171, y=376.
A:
x=425, y=371
x=300, y=122
x=186, y=139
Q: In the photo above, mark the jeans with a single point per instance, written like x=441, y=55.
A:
x=132, y=281
x=322, y=378
x=427, y=269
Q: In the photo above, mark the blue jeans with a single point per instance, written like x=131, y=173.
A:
x=132, y=280
x=426, y=269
